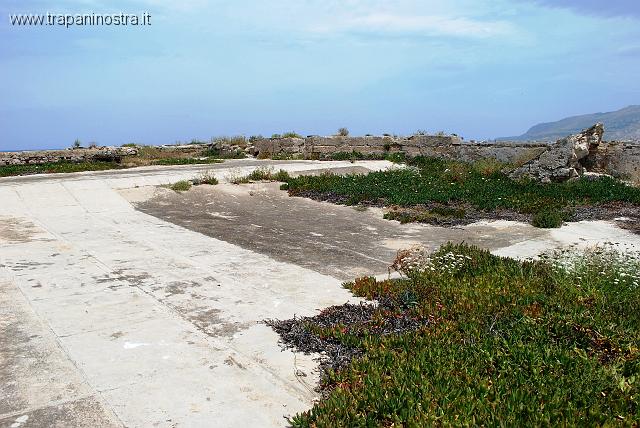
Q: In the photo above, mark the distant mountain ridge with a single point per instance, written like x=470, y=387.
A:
x=620, y=125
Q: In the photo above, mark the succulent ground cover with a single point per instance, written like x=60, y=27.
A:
x=468, y=338
x=449, y=192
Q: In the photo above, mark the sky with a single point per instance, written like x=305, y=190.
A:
x=203, y=68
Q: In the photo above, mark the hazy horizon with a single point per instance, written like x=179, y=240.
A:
x=478, y=68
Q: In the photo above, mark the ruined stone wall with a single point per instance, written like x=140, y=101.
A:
x=69, y=155
x=449, y=147
x=615, y=158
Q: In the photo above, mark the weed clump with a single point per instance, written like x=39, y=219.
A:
x=205, y=178
x=181, y=186
x=261, y=174
x=548, y=219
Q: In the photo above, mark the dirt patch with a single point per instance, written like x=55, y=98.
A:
x=16, y=230
x=209, y=321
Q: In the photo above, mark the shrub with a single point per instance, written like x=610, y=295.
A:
x=181, y=186
x=260, y=174
x=548, y=218
x=205, y=178
x=291, y=134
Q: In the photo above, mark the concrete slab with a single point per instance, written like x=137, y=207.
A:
x=86, y=412
x=40, y=385
x=157, y=322
x=340, y=241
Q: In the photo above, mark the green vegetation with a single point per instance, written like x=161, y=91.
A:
x=549, y=218
x=205, y=178
x=217, y=154
x=151, y=155
x=180, y=186
x=436, y=215
x=354, y=156
x=470, y=339
x=261, y=174
x=57, y=167
x=291, y=134
x=186, y=161
x=482, y=186
x=286, y=156
x=236, y=140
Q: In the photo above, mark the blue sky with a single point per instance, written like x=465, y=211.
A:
x=479, y=68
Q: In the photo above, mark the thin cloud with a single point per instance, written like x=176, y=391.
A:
x=425, y=24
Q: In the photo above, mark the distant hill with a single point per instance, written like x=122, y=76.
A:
x=621, y=125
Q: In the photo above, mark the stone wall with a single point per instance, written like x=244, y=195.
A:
x=620, y=159
x=449, y=147
x=111, y=154
x=615, y=158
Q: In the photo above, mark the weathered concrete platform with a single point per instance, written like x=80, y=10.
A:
x=110, y=316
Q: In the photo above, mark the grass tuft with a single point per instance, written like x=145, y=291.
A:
x=205, y=178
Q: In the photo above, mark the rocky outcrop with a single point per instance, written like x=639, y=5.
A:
x=567, y=159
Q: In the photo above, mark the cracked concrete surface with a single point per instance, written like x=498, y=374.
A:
x=110, y=316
